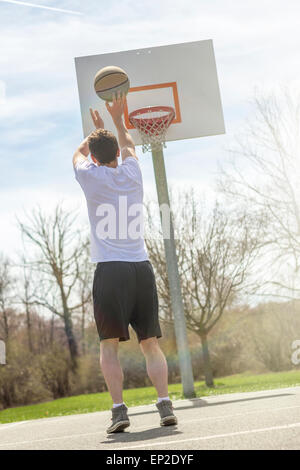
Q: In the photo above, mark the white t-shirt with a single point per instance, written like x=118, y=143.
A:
x=114, y=199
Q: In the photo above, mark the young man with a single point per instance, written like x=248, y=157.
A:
x=124, y=289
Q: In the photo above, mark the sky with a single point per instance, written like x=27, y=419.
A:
x=256, y=45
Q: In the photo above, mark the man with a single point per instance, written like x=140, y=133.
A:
x=124, y=288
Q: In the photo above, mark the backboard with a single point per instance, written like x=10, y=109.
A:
x=183, y=76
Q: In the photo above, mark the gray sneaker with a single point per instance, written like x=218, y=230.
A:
x=167, y=417
x=120, y=419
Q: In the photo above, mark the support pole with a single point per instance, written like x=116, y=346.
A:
x=184, y=356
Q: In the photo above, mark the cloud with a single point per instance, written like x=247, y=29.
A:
x=255, y=44
x=249, y=47
x=35, y=103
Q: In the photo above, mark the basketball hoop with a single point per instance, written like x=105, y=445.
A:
x=152, y=124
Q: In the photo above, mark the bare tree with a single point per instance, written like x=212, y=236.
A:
x=216, y=251
x=56, y=262
x=25, y=297
x=85, y=294
x=264, y=175
x=156, y=251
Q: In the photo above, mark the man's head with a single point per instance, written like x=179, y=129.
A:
x=103, y=146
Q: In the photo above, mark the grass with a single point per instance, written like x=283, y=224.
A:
x=147, y=395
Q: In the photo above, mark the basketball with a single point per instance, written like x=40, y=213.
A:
x=109, y=81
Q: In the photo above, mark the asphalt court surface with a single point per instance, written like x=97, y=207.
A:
x=268, y=419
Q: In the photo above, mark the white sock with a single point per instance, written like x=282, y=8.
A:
x=117, y=404
x=159, y=399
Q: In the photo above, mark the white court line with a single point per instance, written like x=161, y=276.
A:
x=214, y=436
x=51, y=439
x=11, y=425
x=139, y=427
x=211, y=418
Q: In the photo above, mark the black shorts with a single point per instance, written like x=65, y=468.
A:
x=125, y=293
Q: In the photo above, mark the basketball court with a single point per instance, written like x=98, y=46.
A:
x=258, y=420
x=172, y=95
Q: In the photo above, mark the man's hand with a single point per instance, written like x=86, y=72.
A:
x=116, y=109
x=97, y=120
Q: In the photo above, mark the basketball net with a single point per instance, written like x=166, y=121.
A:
x=152, y=124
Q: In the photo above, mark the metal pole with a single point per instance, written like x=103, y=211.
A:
x=173, y=278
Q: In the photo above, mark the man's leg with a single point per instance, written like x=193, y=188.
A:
x=111, y=368
x=157, y=367
x=113, y=376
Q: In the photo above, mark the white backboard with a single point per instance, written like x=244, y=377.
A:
x=183, y=76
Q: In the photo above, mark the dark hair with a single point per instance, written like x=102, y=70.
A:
x=103, y=145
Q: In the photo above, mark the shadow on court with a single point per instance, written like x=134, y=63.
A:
x=199, y=403
x=131, y=436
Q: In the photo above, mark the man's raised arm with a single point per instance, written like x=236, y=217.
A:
x=82, y=153
x=126, y=142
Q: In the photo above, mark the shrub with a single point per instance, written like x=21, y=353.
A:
x=55, y=370
x=20, y=379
